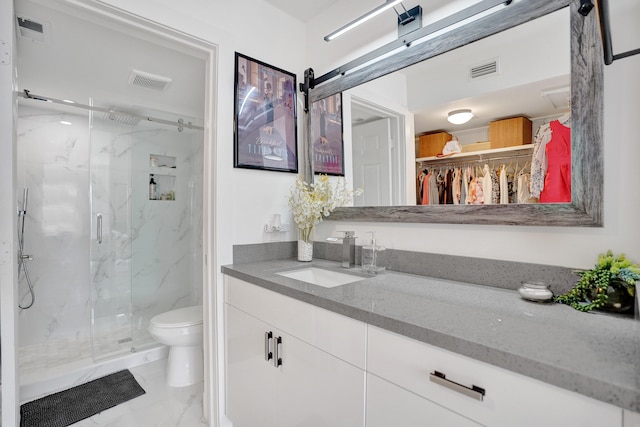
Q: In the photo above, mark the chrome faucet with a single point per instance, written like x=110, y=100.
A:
x=348, y=249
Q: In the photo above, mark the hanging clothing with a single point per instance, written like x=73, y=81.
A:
x=476, y=193
x=464, y=191
x=486, y=185
x=557, y=181
x=523, y=188
x=425, y=190
x=539, y=161
x=504, y=186
x=448, y=187
x=433, y=189
x=495, y=188
x=456, y=186
x=420, y=187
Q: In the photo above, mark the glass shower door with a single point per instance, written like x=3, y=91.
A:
x=110, y=174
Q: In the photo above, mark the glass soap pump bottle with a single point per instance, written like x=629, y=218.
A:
x=370, y=257
x=153, y=193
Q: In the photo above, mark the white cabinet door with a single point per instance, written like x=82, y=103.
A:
x=321, y=379
x=316, y=389
x=389, y=405
x=250, y=378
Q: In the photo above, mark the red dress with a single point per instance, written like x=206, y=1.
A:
x=557, y=181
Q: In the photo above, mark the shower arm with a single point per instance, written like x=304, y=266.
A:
x=180, y=124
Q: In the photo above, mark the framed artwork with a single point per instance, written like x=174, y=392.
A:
x=326, y=134
x=265, y=128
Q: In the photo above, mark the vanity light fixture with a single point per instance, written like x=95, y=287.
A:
x=388, y=4
x=459, y=117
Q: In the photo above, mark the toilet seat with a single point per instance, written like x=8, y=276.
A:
x=179, y=318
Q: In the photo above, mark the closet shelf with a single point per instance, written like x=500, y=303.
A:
x=475, y=156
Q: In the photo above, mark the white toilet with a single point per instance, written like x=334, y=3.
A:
x=181, y=330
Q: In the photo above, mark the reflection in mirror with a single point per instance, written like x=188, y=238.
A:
x=326, y=136
x=586, y=88
x=521, y=73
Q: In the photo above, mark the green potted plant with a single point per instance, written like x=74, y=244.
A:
x=610, y=286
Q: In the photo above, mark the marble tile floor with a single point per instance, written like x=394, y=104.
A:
x=160, y=406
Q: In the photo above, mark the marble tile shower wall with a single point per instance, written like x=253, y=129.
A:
x=53, y=162
x=155, y=245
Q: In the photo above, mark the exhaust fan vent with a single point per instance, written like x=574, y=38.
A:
x=485, y=69
x=148, y=80
x=33, y=30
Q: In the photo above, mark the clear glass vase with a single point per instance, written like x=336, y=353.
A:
x=305, y=245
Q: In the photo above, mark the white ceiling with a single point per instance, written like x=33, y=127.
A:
x=303, y=10
x=109, y=52
x=87, y=58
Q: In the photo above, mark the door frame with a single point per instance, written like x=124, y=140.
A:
x=213, y=374
x=401, y=131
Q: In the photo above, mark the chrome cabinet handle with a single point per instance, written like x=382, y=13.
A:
x=268, y=355
x=474, y=392
x=277, y=360
x=99, y=228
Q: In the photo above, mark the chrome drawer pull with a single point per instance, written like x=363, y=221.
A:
x=277, y=360
x=267, y=346
x=474, y=392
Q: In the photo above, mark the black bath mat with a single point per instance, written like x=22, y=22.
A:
x=70, y=406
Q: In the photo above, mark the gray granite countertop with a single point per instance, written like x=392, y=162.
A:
x=596, y=355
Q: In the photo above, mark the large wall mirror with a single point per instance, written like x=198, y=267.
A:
x=545, y=65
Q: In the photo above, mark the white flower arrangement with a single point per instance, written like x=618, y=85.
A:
x=311, y=203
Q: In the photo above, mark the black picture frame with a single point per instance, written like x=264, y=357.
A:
x=265, y=118
x=327, y=136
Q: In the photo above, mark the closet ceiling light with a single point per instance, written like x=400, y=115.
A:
x=459, y=117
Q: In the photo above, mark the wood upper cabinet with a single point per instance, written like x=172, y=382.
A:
x=432, y=144
x=509, y=132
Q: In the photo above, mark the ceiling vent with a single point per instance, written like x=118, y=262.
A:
x=39, y=31
x=148, y=80
x=485, y=69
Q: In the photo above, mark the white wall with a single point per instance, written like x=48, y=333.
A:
x=570, y=247
x=246, y=198
x=8, y=265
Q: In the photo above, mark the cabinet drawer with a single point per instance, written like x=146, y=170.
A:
x=339, y=335
x=389, y=405
x=510, y=399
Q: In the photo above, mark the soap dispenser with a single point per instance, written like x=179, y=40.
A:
x=370, y=257
x=153, y=193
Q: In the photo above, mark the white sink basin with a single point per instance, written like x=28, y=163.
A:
x=320, y=277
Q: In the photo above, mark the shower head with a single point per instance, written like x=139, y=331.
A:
x=121, y=117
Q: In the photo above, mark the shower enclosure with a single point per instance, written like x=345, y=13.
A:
x=107, y=254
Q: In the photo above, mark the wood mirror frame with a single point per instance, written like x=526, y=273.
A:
x=587, y=180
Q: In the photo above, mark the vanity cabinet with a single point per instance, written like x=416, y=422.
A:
x=320, y=378
x=507, y=398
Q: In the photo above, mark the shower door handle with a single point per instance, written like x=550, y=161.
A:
x=99, y=228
